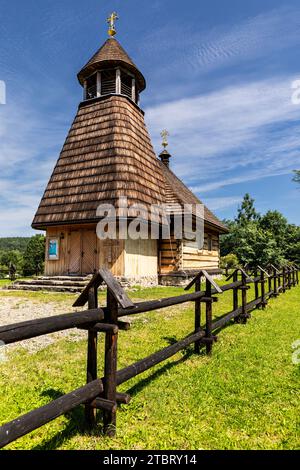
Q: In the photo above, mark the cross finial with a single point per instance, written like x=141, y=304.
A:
x=111, y=20
x=165, y=134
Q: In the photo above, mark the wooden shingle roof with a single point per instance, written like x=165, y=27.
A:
x=177, y=194
x=110, y=55
x=107, y=154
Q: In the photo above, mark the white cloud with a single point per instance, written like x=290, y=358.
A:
x=218, y=203
x=232, y=135
x=201, y=50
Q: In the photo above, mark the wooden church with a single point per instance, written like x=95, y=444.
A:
x=107, y=155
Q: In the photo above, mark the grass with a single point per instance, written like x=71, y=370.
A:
x=246, y=396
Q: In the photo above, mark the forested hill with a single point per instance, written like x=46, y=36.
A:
x=14, y=243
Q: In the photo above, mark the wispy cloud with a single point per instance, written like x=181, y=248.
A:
x=236, y=134
x=218, y=203
x=29, y=147
x=254, y=37
x=204, y=49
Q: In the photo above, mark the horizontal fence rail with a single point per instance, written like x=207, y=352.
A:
x=101, y=393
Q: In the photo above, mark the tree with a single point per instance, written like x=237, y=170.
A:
x=257, y=239
x=297, y=176
x=229, y=262
x=14, y=257
x=34, y=256
x=275, y=223
x=257, y=246
x=247, y=212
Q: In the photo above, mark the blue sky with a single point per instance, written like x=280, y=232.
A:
x=219, y=76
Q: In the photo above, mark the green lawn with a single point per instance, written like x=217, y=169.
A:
x=246, y=396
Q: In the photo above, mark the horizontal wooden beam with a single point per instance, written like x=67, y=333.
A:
x=147, y=363
x=235, y=313
x=31, y=329
x=123, y=398
x=100, y=328
x=37, y=418
x=103, y=404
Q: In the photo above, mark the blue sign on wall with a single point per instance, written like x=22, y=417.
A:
x=53, y=252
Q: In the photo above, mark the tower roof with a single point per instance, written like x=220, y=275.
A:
x=109, y=55
x=107, y=155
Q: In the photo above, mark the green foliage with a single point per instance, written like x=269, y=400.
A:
x=247, y=212
x=229, y=261
x=34, y=256
x=14, y=257
x=261, y=239
x=14, y=243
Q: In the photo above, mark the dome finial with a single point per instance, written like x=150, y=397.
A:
x=165, y=134
x=111, y=20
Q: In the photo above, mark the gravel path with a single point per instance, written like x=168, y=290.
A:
x=14, y=310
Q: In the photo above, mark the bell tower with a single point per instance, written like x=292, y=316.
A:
x=111, y=71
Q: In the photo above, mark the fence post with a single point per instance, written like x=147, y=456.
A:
x=294, y=275
x=244, y=287
x=90, y=411
x=297, y=275
x=263, y=291
x=110, y=365
x=279, y=285
x=284, y=283
x=235, y=293
x=270, y=279
x=275, y=276
x=197, y=315
x=256, y=286
x=208, y=328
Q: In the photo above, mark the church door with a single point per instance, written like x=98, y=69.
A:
x=75, y=252
x=89, y=251
x=82, y=252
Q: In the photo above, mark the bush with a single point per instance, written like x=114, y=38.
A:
x=229, y=262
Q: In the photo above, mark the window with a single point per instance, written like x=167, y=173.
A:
x=108, y=82
x=91, y=88
x=126, y=85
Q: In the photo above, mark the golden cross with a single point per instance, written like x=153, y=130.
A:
x=111, y=20
x=165, y=134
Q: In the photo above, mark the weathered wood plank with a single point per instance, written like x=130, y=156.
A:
x=31, y=329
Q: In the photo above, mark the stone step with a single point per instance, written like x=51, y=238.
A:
x=52, y=282
x=65, y=278
x=45, y=288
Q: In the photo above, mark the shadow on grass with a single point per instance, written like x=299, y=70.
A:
x=188, y=352
x=77, y=425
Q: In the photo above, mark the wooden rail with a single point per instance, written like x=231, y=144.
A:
x=101, y=393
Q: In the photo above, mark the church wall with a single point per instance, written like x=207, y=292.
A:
x=207, y=258
x=177, y=255
x=141, y=258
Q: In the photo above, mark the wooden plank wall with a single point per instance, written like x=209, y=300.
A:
x=170, y=255
x=111, y=256
x=203, y=259
x=141, y=257
x=60, y=266
x=175, y=255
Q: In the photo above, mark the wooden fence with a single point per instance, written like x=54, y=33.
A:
x=101, y=393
